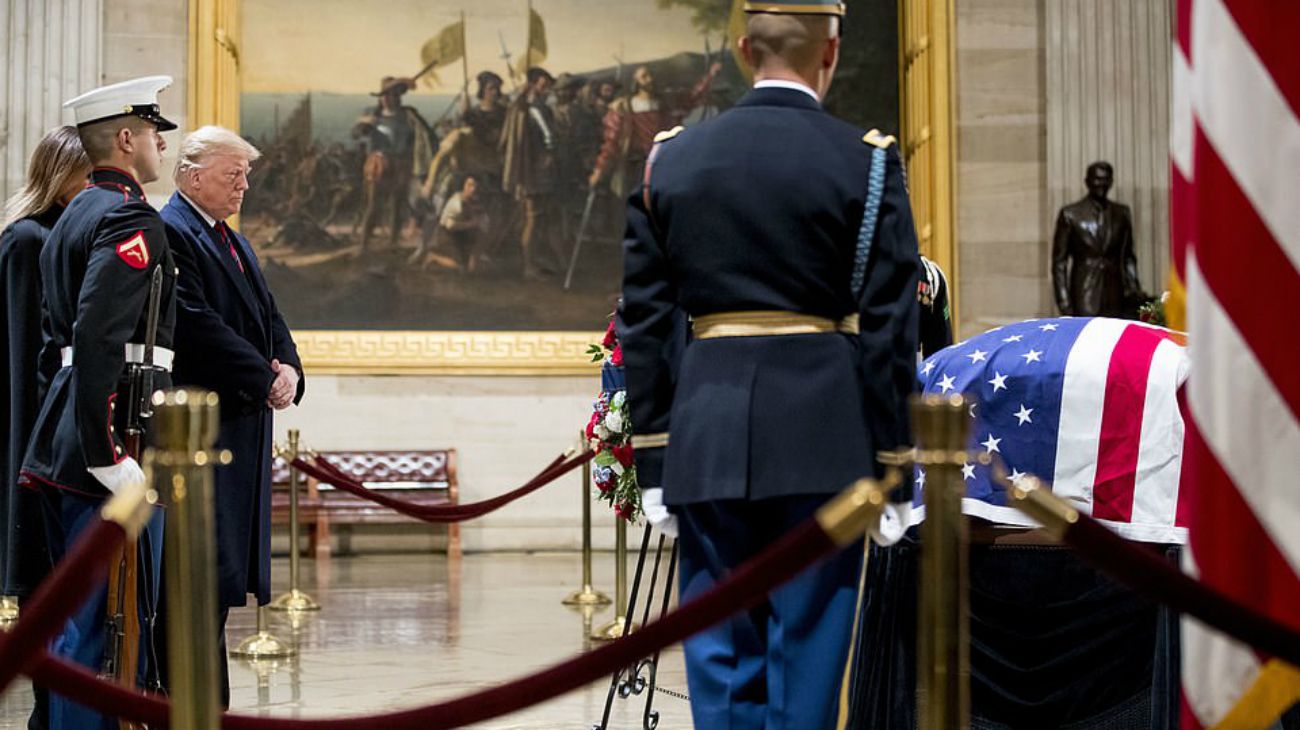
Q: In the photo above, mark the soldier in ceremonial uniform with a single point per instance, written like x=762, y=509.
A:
x=97, y=269
x=785, y=235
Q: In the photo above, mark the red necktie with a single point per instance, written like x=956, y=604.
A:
x=230, y=244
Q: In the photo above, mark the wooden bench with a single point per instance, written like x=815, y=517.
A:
x=424, y=478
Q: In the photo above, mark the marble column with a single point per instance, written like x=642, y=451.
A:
x=50, y=51
x=1108, y=88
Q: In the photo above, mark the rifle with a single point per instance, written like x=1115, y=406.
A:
x=582, y=233
x=121, y=654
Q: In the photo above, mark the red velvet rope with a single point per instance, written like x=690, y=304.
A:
x=59, y=596
x=1146, y=572
x=325, y=472
x=744, y=588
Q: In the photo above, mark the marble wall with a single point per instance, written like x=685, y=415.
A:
x=1001, y=162
x=504, y=428
x=1108, y=76
x=50, y=51
x=1043, y=89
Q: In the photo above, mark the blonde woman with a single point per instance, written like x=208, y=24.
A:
x=57, y=172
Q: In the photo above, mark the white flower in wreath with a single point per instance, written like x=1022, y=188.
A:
x=619, y=399
x=617, y=468
x=614, y=421
x=601, y=432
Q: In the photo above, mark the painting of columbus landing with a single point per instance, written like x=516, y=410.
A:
x=463, y=166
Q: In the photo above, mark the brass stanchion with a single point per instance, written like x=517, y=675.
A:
x=588, y=596
x=180, y=465
x=263, y=644
x=9, y=605
x=620, y=624
x=943, y=643
x=295, y=599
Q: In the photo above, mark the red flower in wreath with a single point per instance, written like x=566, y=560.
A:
x=611, y=337
x=591, y=425
x=623, y=453
x=616, y=357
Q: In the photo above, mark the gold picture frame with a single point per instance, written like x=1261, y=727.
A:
x=213, y=98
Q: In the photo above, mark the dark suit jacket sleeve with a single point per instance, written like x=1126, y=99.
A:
x=218, y=357
x=286, y=351
x=648, y=329
x=1061, y=263
x=890, y=313
x=1132, y=284
x=114, y=294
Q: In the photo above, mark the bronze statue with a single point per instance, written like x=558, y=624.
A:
x=1094, y=268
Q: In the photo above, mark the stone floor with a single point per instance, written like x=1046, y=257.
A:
x=400, y=631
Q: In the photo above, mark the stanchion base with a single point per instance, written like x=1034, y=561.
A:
x=588, y=596
x=294, y=600
x=613, y=630
x=263, y=645
x=8, y=612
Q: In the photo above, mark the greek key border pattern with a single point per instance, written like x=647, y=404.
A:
x=361, y=352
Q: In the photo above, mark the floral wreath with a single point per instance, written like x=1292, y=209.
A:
x=609, y=432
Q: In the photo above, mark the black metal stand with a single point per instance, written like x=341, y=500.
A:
x=639, y=677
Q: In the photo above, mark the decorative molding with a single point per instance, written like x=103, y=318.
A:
x=928, y=128
x=359, y=352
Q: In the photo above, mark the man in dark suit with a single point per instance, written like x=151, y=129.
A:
x=786, y=236
x=1094, y=267
x=230, y=338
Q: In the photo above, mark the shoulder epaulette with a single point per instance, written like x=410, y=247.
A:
x=668, y=134
x=875, y=138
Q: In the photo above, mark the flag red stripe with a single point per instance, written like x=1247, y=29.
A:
x=1181, y=199
x=1183, y=26
x=1189, y=720
x=1233, y=551
x=1247, y=270
x=1121, y=423
x=1272, y=29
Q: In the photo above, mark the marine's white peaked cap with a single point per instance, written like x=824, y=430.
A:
x=137, y=97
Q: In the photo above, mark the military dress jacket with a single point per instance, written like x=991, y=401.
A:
x=1094, y=267
x=761, y=208
x=229, y=328
x=96, y=270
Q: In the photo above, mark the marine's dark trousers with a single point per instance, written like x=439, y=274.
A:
x=83, y=637
x=779, y=665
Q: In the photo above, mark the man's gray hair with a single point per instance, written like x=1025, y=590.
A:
x=206, y=142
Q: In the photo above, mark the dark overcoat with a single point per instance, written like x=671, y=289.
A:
x=24, y=554
x=228, y=330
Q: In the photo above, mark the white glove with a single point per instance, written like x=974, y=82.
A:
x=119, y=475
x=652, y=503
x=893, y=524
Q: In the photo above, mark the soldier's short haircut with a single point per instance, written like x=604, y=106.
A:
x=206, y=142
x=100, y=138
x=797, y=40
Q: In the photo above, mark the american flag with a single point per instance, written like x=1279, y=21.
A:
x=1235, y=194
x=1088, y=404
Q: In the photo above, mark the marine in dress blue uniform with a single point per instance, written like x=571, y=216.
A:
x=96, y=272
x=784, y=237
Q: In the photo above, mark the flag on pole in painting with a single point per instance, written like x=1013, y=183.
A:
x=445, y=48
x=1235, y=201
x=536, y=52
